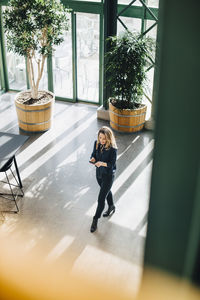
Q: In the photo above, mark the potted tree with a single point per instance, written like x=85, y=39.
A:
x=32, y=29
x=125, y=69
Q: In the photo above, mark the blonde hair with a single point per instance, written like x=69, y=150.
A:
x=110, y=138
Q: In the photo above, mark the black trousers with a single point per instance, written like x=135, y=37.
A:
x=105, y=193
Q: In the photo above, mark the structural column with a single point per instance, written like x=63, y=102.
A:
x=3, y=71
x=173, y=235
x=110, y=29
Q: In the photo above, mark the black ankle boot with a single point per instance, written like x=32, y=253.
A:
x=94, y=225
x=111, y=210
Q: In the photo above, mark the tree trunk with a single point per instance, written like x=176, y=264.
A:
x=34, y=93
x=30, y=70
x=34, y=86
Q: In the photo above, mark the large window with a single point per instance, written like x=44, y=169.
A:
x=16, y=71
x=1, y=70
x=151, y=3
x=75, y=63
x=0, y=80
x=137, y=2
x=140, y=17
x=62, y=68
x=132, y=24
x=88, y=56
x=91, y=0
x=150, y=73
x=75, y=71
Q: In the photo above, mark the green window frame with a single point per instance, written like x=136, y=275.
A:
x=142, y=12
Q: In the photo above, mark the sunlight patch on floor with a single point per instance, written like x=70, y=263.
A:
x=82, y=192
x=48, y=137
x=135, y=140
x=67, y=204
x=104, y=266
x=132, y=206
x=132, y=167
x=56, y=148
x=60, y=248
x=30, y=244
x=6, y=121
x=36, y=189
x=72, y=158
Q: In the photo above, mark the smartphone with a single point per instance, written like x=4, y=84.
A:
x=92, y=162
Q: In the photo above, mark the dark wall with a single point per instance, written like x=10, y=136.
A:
x=174, y=215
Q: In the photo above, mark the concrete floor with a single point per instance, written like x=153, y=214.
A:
x=61, y=194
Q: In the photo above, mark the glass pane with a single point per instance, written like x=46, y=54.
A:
x=88, y=56
x=62, y=67
x=148, y=91
x=132, y=24
x=153, y=32
x=150, y=74
x=153, y=3
x=0, y=79
x=43, y=85
x=90, y=0
x=16, y=71
x=137, y=2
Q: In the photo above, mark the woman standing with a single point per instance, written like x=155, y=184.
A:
x=104, y=158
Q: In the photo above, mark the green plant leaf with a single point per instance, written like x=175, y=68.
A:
x=125, y=67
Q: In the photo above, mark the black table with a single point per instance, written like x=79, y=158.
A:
x=9, y=145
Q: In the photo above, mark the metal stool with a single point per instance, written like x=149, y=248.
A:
x=18, y=184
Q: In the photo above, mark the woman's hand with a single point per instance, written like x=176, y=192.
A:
x=100, y=164
x=93, y=160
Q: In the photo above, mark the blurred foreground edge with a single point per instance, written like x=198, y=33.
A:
x=25, y=276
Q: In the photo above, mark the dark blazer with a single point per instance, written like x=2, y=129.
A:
x=109, y=156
